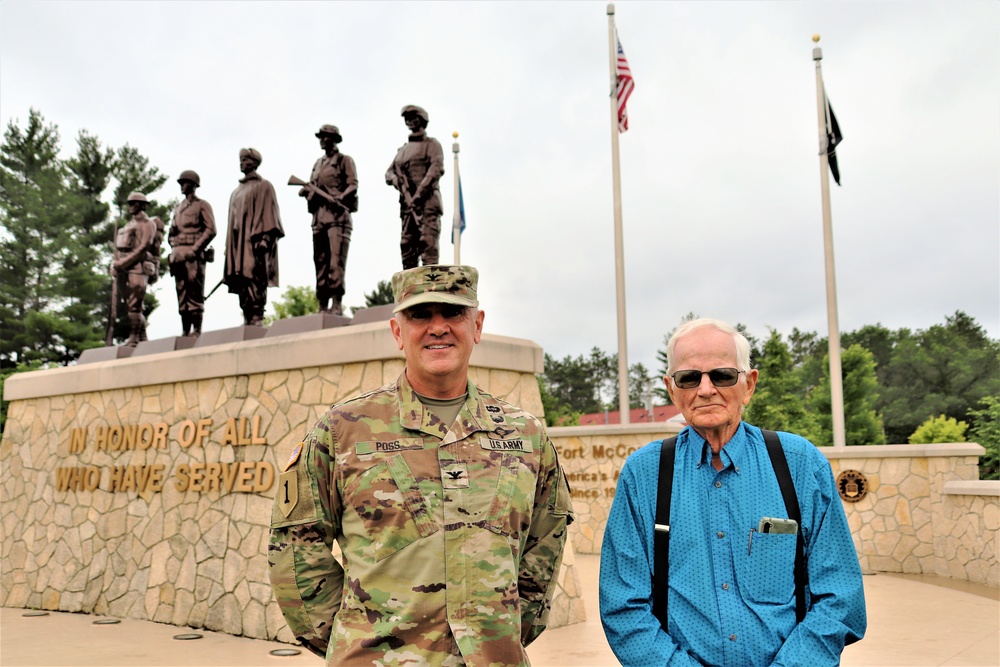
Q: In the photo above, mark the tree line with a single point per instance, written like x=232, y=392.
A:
x=940, y=384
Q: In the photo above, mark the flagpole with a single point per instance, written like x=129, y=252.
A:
x=836, y=377
x=623, y=404
x=456, y=219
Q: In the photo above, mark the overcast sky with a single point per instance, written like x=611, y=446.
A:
x=720, y=175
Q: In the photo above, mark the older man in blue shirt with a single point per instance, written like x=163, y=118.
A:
x=731, y=593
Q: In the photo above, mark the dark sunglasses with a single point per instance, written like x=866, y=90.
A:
x=720, y=377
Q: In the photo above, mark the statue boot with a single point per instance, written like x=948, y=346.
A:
x=324, y=305
x=185, y=323
x=196, y=324
x=137, y=327
x=142, y=329
x=337, y=308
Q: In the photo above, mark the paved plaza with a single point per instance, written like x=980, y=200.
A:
x=912, y=622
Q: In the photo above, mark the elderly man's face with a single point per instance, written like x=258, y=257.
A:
x=437, y=340
x=706, y=407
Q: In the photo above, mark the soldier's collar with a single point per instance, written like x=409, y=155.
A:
x=418, y=136
x=252, y=176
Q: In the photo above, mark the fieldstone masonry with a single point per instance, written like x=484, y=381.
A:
x=142, y=488
x=926, y=511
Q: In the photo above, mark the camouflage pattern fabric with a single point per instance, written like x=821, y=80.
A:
x=450, y=537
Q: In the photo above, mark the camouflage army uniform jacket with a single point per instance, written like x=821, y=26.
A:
x=451, y=538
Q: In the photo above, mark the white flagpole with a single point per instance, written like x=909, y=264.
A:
x=623, y=403
x=456, y=219
x=836, y=378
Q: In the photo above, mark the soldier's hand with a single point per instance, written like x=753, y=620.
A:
x=184, y=253
x=304, y=192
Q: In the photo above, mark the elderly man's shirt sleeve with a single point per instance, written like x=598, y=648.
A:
x=306, y=578
x=836, y=611
x=626, y=585
x=552, y=512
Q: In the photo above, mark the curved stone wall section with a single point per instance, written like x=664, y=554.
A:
x=909, y=522
x=166, y=518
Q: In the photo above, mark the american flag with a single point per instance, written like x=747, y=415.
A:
x=625, y=87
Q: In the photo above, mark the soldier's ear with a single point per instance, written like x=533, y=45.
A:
x=397, y=332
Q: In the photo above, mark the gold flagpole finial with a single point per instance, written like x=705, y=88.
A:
x=816, y=37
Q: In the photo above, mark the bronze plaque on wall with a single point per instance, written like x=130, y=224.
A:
x=852, y=485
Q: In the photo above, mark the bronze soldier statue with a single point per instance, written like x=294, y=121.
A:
x=415, y=172
x=192, y=230
x=137, y=259
x=332, y=195
x=252, y=239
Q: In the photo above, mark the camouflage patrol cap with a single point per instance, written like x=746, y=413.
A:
x=189, y=175
x=437, y=283
x=332, y=130
x=137, y=196
x=415, y=110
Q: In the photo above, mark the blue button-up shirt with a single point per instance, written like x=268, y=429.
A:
x=731, y=597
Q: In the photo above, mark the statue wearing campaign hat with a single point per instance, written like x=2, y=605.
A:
x=415, y=172
x=191, y=232
x=332, y=195
x=137, y=262
x=252, y=239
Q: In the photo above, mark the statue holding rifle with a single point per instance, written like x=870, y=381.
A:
x=415, y=172
x=332, y=195
x=136, y=263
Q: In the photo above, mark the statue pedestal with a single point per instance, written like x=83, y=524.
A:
x=315, y=322
x=233, y=335
x=164, y=345
x=106, y=353
x=373, y=314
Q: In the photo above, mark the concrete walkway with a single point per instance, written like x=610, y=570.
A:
x=912, y=622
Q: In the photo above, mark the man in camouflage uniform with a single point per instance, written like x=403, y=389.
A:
x=448, y=504
x=335, y=175
x=415, y=172
x=192, y=230
x=137, y=259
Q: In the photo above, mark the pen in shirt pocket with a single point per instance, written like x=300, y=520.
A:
x=750, y=540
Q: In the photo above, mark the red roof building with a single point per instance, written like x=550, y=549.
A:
x=661, y=413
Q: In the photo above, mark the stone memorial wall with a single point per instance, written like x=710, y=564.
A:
x=923, y=509
x=142, y=487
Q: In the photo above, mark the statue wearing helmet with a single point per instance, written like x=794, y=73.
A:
x=191, y=233
x=415, y=172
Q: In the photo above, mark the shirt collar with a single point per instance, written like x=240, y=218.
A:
x=734, y=453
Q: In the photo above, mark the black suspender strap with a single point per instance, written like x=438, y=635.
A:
x=780, y=465
x=661, y=532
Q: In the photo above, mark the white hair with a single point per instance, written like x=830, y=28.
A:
x=742, y=344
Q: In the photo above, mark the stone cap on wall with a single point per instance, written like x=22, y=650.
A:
x=904, y=451
x=344, y=345
x=972, y=487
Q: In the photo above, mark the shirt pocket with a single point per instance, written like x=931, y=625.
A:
x=511, y=508
x=389, y=503
x=769, y=568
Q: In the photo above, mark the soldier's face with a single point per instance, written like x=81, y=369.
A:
x=327, y=142
x=437, y=340
x=413, y=122
x=188, y=187
x=134, y=207
x=247, y=164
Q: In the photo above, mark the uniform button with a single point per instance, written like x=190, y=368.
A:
x=720, y=534
x=725, y=587
x=732, y=638
x=718, y=485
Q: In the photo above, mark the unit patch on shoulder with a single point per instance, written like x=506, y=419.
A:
x=288, y=490
x=295, y=457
